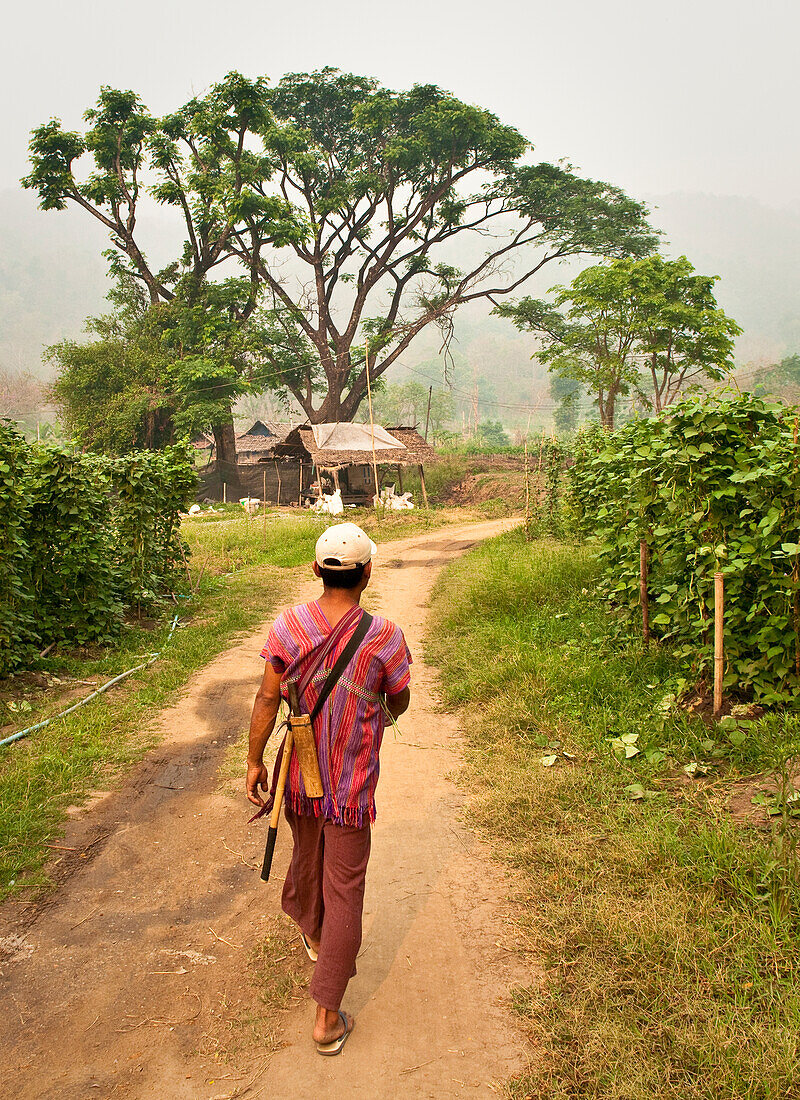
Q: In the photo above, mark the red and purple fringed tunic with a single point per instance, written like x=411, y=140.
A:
x=349, y=729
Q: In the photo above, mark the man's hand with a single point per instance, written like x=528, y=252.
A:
x=397, y=704
x=257, y=776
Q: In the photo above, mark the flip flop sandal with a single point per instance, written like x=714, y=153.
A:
x=330, y=1049
x=309, y=949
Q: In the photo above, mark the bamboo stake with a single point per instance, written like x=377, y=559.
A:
x=422, y=483
x=527, y=494
x=643, y=599
x=278, y=475
x=719, y=653
x=372, y=428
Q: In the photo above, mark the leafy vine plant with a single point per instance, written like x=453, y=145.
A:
x=84, y=539
x=711, y=485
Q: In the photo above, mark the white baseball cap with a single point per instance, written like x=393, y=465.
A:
x=344, y=546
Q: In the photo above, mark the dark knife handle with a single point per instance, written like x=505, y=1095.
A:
x=271, y=835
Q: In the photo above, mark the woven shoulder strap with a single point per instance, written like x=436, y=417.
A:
x=344, y=659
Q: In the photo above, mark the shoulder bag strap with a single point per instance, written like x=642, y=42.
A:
x=329, y=643
x=346, y=656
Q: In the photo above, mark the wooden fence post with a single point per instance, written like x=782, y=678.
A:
x=422, y=484
x=264, y=506
x=643, y=598
x=278, y=475
x=719, y=650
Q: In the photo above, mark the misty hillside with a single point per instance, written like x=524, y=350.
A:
x=52, y=276
x=756, y=250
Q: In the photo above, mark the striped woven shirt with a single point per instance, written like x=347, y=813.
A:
x=349, y=729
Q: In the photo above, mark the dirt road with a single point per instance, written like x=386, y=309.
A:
x=126, y=983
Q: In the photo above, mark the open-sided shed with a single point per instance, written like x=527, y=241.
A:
x=350, y=454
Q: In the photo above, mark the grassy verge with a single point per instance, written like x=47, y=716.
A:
x=236, y=574
x=668, y=933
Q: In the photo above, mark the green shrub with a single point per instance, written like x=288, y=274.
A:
x=82, y=538
x=711, y=486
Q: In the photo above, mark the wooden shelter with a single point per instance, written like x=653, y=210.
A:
x=354, y=456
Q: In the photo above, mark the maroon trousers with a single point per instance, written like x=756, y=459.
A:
x=324, y=895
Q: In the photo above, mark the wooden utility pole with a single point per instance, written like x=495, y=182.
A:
x=372, y=428
x=643, y=598
x=719, y=649
x=264, y=505
x=422, y=483
x=428, y=414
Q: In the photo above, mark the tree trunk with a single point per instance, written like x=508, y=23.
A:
x=335, y=409
x=606, y=405
x=225, y=444
x=656, y=388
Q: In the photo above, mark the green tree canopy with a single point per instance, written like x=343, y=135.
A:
x=334, y=199
x=650, y=325
x=154, y=372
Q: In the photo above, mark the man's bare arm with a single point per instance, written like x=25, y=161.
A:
x=397, y=704
x=262, y=723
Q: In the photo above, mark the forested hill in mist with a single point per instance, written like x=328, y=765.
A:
x=52, y=276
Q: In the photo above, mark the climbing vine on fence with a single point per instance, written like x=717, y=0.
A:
x=71, y=573
x=711, y=486
x=83, y=538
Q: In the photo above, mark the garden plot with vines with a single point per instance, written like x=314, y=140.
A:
x=711, y=487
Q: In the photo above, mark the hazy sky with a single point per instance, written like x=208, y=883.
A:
x=673, y=95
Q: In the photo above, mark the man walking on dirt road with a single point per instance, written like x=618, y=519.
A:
x=324, y=888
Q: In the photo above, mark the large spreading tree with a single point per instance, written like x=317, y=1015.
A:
x=340, y=203
x=648, y=325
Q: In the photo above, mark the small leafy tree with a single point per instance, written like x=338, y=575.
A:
x=617, y=319
x=157, y=372
x=491, y=433
x=112, y=391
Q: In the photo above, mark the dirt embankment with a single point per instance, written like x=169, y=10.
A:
x=483, y=479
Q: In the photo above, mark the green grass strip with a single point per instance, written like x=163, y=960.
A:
x=667, y=936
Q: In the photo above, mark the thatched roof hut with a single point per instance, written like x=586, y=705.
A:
x=259, y=441
x=333, y=446
x=336, y=448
